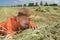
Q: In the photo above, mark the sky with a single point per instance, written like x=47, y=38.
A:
x=16, y=2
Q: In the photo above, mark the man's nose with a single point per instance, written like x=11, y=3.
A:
x=26, y=22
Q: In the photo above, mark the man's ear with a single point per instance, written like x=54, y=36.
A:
x=17, y=19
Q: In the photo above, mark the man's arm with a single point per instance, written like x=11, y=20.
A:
x=9, y=26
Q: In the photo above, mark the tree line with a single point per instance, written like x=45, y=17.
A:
x=36, y=4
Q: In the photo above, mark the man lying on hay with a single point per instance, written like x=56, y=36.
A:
x=20, y=22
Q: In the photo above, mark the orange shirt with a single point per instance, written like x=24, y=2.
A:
x=12, y=25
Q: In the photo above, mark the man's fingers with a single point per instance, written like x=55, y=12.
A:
x=35, y=27
x=8, y=37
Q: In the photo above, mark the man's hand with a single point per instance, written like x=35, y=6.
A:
x=9, y=37
x=34, y=27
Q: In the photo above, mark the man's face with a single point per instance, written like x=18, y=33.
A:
x=24, y=21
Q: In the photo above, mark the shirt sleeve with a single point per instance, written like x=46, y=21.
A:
x=32, y=24
x=9, y=27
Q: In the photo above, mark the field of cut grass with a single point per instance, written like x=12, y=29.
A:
x=46, y=17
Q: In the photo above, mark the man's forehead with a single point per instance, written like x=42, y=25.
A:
x=23, y=17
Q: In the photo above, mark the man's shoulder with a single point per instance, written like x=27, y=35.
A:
x=12, y=19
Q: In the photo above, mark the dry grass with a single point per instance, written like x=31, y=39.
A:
x=47, y=18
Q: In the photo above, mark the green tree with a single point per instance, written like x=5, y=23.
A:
x=31, y=4
x=24, y=4
x=46, y=4
x=19, y=5
x=53, y=4
x=36, y=4
x=41, y=3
